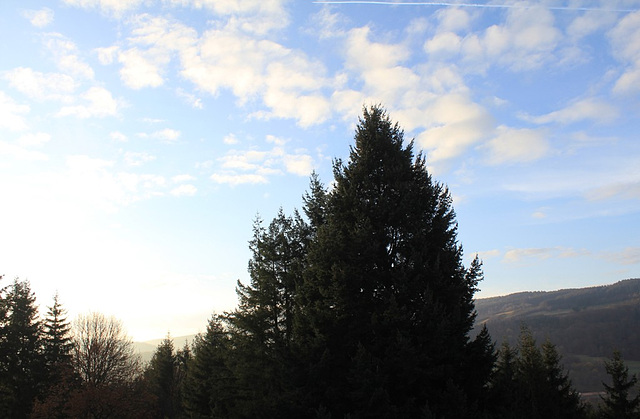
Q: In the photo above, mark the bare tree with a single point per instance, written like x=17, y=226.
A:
x=103, y=353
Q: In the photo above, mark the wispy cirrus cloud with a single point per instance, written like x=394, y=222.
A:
x=585, y=109
x=625, y=42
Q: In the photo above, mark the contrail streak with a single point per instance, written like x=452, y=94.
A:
x=479, y=5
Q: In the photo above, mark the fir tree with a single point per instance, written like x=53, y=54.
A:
x=210, y=386
x=262, y=328
x=385, y=290
x=529, y=382
x=21, y=354
x=618, y=402
x=58, y=344
x=163, y=377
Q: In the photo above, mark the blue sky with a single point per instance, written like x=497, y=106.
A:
x=139, y=139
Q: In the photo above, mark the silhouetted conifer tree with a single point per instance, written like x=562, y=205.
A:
x=387, y=304
x=210, y=385
x=22, y=366
x=618, y=400
x=164, y=377
x=529, y=382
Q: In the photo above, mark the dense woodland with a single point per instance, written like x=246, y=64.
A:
x=360, y=307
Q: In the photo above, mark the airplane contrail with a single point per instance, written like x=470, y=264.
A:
x=479, y=5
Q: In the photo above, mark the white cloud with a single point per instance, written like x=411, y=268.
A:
x=41, y=86
x=99, y=104
x=34, y=139
x=16, y=152
x=238, y=179
x=455, y=124
x=539, y=215
x=39, y=18
x=628, y=256
x=65, y=53
x=286, y=80
x=584, y=109
x=526, y=41
x=155, y=40
x=589, y=22
x=118, y=136
x=453, y=19
x=190, y=98
x=543, y=253
x=132, y=158
x=443, y=45
x=252, y=16
x=621, y=189
x=275, y=140
x=327, y=24
x=182, y=178
x=246, y=160
x=11, y=113
x=363, y=54
x=298, y=164
x=230, y=139
x=112, y=7
x=625, y=41
x=167, y=135
x=137, y=71
x=488, y=254
x=184, y=190
x=106, y=55
x=516, y=145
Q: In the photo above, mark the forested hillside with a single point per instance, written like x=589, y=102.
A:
x=585, y=324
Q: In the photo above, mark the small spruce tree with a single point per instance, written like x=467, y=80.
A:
x=618, y=401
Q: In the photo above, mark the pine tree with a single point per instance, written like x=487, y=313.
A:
x=529, y=382
x=385, y=286
x=262, y=327
x=57, y=335
x=618, y=402
x=210, y=386
x=60, y=380
x=21, y=354
x=563, y=401
x=162, y=376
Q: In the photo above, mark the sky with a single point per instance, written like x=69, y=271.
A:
x=140, y=139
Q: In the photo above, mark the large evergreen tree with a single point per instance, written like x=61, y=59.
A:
x=618, y=401
x=22, y=364
x=262, y=327
x=387, y=303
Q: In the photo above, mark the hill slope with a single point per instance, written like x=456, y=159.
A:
x=585, y=324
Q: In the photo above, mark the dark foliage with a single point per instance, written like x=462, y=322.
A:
x=530, y=382
x=618, y=401
x=22, y=362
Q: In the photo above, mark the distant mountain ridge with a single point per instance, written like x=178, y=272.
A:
x=147, y=348
x=586, y=325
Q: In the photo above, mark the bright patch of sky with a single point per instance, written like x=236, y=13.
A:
x=140, y=139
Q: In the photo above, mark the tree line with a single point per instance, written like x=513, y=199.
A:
x=360, y=308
